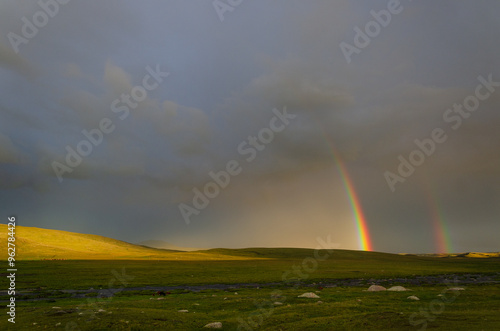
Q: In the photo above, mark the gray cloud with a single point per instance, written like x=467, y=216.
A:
x=12, y=61
x=8, y=153
x=225, y=80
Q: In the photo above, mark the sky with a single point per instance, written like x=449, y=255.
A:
x=254, y=123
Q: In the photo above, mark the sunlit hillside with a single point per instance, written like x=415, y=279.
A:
x=38, y=244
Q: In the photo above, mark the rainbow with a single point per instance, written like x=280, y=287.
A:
x=441, y=232
x=361, y=226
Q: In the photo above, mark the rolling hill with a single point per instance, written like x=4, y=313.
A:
x=165, y=245
x=481, y=255
x=43, y=244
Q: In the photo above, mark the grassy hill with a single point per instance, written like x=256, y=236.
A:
x=165, y=245
x=41, y=244
x=44, y=244
x=481, y=255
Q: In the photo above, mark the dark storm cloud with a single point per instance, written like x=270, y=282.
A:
x=225, y=79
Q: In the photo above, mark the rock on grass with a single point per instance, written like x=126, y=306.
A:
x=310, y=295
x=214, y=325
x=456, y=289
x=376, y=288
x=397, y=289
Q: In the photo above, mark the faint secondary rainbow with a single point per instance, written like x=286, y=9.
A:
x=361, y=226
x=441, y=232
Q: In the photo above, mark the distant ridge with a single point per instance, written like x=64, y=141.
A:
x=468, y=254
x=165, y=245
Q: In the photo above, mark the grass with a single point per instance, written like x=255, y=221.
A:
x=86, y=274
x=156, y=267
x=351, y=308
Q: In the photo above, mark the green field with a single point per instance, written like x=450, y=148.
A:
x=85, y=274
x=281, y=274
x=341, y=308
